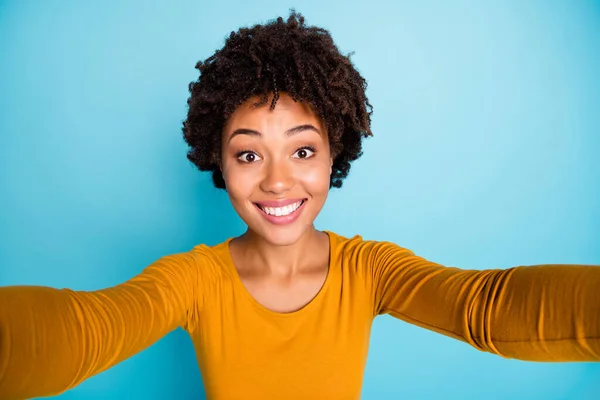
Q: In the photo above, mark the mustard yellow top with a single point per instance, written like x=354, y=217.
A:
x=51, y=340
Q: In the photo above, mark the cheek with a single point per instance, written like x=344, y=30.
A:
x=316, y=178
x=238, y=181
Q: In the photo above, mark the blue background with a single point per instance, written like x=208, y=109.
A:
x=485, y=155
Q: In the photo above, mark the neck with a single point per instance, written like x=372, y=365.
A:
x=283, y=261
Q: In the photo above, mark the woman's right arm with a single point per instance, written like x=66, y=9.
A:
x=51, y=340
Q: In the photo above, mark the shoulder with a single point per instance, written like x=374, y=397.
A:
x=356, y=243
x=359, y=253
x=200, y=262
x=213, y=262
x=338, y=241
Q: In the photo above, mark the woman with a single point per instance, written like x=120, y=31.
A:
x=285, y=311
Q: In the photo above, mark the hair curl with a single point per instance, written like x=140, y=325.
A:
x=266, y=60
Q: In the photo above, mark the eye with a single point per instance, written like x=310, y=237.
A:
x=248, y=156
x=304, y=152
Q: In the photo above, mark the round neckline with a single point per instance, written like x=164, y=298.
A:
x=306, y=308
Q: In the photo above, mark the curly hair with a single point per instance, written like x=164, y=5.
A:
x=264, y=61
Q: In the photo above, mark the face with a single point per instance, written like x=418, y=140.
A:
x=277, y=166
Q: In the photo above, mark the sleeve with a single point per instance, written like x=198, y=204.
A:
x=533, y=313
x=51, y=340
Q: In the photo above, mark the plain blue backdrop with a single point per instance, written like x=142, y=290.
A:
x=485, y=155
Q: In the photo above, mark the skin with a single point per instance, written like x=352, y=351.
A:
x=282, y=266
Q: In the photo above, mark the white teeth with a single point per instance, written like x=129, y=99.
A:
x=282, y=211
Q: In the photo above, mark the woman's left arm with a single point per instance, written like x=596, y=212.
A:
x=535, y=313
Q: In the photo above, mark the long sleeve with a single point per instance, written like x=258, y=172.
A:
x=535, y=313
x=51, y=340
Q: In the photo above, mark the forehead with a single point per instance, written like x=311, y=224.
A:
x=286, y=111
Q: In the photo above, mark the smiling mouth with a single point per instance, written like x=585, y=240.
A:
x=281, y=211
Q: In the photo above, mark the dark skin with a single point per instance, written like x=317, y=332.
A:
x=283, y=266
x=279, y=57
x=280, y=155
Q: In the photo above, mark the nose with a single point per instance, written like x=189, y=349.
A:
x=277, y=178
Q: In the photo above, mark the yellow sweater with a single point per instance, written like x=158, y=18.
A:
x=51, y=340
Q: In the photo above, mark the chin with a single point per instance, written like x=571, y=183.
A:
x=282, y=235
x=287, y=237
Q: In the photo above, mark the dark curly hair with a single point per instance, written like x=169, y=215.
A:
x=266, y=60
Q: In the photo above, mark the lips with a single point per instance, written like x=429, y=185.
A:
x=281, y=212
x=278, y=203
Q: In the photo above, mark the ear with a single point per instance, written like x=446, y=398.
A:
x=331, y=166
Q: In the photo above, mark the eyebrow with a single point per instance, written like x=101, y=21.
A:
x=289, y=132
